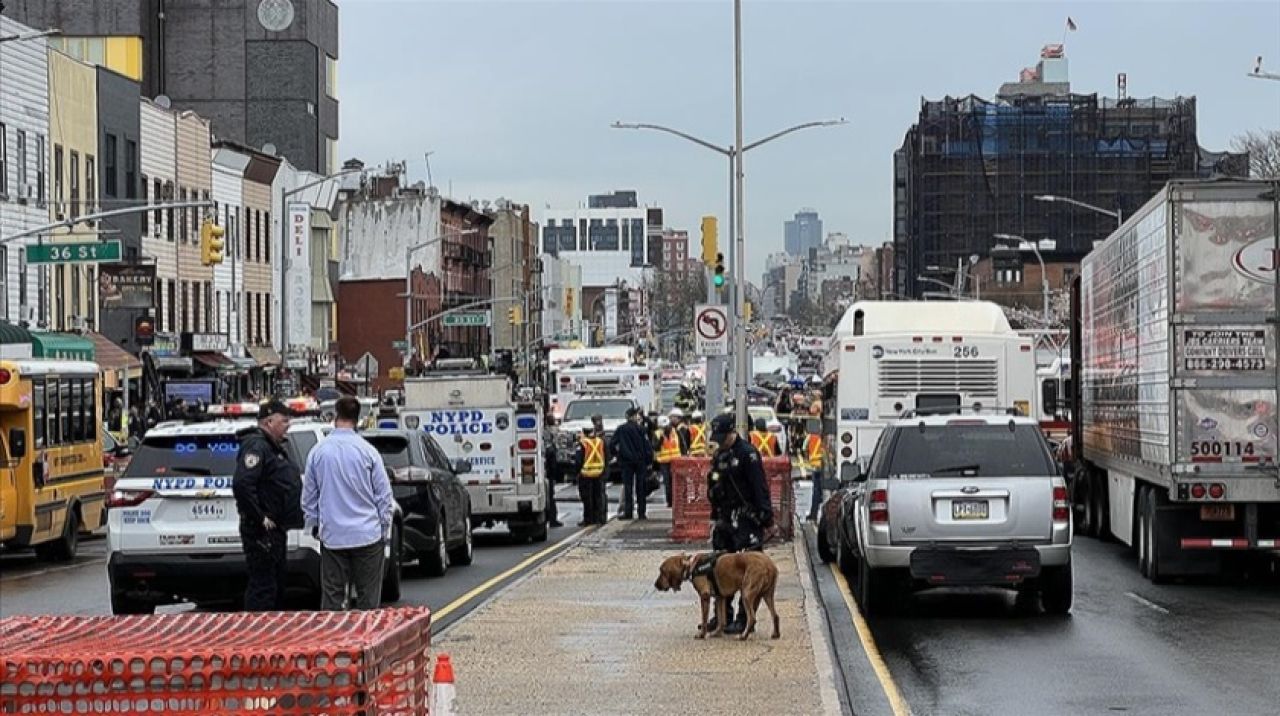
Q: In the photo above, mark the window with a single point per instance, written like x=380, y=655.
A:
x=52, y=411
x=68, y=407
x=41, y=161
x=195, y=306
x=172, y=306
x=157, y=215
x=330, y=80
x=170, y=229
x=76, y=413
x=208, y=307
x=74, y=270
x=248, y=319
x=57, y=179
x=109, y=164
x=131, y=169
x=182, y=229
x=90, y=185
x=266, y=239
x=186, y=305
x=4, y=161
x=22, y=164
x=146, y=215
x=38, y=412
x=60, y=287
x=257, y=235
x=266, y=305
x=73, y=172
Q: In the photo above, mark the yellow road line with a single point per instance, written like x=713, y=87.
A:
x=495, y=580
x=891, y=692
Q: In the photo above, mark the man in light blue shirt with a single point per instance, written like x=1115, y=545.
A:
x=346, y=495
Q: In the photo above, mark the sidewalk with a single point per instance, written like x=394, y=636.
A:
x=588, y=634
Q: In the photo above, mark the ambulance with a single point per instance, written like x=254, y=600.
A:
x=473, y=417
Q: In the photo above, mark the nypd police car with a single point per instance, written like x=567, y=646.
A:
x=173, y=528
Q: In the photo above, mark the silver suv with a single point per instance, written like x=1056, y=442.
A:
x=957, y=500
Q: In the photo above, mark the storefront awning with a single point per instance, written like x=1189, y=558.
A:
x=62, y=346
x=264, y=355
x=112, y=357
x=15, y=341
x=217, y=361
x=243, y=363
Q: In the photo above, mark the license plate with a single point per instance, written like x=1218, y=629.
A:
x=208, y=511
x=970, y=510
x=1217, y=513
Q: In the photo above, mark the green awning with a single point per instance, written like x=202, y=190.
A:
x=10, y=333
x=62, y=346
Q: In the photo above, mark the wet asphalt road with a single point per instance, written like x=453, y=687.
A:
x=28, y=586
x=1128, y=647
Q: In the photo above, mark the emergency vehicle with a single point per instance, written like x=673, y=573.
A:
x=561, y=359
x=472, y=416
x=639, y=382
x=1055, y=404
x=887, y=357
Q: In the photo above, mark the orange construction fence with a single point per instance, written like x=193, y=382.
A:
x=366, y=662
x=691, y=511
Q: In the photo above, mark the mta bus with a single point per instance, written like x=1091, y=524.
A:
x=51, y=447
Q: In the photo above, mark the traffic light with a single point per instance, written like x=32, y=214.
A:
x=710, y=242
x=718, y=280
x=746, y=311
x=514, y=316
x=211, y=243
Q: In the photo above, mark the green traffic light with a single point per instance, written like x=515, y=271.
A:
x=719, y=280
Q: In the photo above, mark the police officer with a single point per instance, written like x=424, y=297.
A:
x=268, y=492
x=739, y=496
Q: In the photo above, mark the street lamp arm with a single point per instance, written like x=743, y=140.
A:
x=789, y=130
x=86, y=218
x=728, y=152
x=1076, y=202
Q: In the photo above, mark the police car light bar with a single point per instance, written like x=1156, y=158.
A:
x=233, y=409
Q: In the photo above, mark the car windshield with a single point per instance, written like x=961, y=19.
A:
x=393, y=448
x=969, y=450
x=185, y=455
x=608, y=409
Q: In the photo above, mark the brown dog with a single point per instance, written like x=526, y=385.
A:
x=752, y=573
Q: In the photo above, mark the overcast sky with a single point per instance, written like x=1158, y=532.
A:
x=515, y=98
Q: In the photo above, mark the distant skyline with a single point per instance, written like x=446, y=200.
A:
x=515, y=99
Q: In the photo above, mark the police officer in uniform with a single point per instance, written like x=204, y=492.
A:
x=268, y=492
x=739, y=496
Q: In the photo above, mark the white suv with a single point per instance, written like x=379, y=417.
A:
x=172, y=525
x=955, y=500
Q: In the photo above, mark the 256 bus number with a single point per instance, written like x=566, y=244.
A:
x=1213, y=448
x=964, y=351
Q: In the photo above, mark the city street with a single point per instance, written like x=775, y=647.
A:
x=1128, y=646
x=28, y=586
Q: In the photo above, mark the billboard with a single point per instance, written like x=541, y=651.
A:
x=126, y=285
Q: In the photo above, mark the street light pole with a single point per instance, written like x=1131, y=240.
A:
x=1051, y=198
x=408, y=285
x=1044, y=276
x=740, y=254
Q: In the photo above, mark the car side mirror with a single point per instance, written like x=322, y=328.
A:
x=17, y=443
x=860, y=477
x=461, y=466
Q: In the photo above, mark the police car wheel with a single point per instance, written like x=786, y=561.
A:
x=463, y=554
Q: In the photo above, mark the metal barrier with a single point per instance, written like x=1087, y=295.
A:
x=368, y=662
x=691, y=511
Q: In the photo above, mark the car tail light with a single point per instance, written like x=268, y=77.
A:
x=1061, y=508
x=1217, y=490
x=846, y=438
x=564, y=380
x=128, y=498
x=486, y=447
x=1198, y=491
x=527, y=444
x=644, y=377
x=879, y=507
x=846, y=452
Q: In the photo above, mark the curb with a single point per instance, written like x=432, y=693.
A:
x=819, y=629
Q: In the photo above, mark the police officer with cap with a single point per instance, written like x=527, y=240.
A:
x=268, y=492
x=739, y=496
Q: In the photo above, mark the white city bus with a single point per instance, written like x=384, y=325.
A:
x=887, y=357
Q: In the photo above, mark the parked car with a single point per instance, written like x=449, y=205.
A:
x=956, y=500
x=115, y=459
x=435, y=503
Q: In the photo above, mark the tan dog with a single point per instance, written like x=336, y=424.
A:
x=752, y=573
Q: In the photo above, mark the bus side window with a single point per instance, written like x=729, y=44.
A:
x=64, y=395
x=91, y=407
x=38, y=412
x=858, y=320
x=53, y=408
x=76, y=413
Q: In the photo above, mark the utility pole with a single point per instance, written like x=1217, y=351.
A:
x=739, y=258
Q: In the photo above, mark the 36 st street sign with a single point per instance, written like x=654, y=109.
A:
x=91, y=252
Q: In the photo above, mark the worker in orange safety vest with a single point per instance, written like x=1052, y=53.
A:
x=697, y=435
x=592, y=461
x=668, y=449
x=765, y=442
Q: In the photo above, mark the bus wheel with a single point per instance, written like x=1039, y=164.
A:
x=64, y=548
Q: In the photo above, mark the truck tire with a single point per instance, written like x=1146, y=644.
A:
x=1156, y=498
x=122, y=604
x=1057, y=590
x=391, y=580
x=1141, y=533
x=65, y=547
x=1101, y=505
x=1083, y=503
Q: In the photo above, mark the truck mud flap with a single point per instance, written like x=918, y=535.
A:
x=950, y=566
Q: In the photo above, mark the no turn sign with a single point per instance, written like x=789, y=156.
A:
x=711, y=330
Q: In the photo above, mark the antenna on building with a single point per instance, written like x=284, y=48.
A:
x=427, y=157
x=1122, y=85
x=162, y=101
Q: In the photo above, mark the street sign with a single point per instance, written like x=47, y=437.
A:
x=366, y=365
x=91, y=252
x=401, y=345
x=467, y=318
x=711, y=330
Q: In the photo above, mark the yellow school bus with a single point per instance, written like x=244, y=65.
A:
x=51, y=476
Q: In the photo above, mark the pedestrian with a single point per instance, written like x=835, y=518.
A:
x=739, y=497
x=813, y=453
x=783, y=407
x=348, y=506
x=553, y=474
x=762, y=440
x=592, y=457
x=697, y=435
x=268, y=489
x=635, y=454
x=669, y=447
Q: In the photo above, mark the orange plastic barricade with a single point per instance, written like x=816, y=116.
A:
x=370, y=662
x=691, y=512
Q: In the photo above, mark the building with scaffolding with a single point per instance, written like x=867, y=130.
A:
x=972, y=167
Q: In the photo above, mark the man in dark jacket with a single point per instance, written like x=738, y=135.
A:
x=268, y=492
x=738, y=491
x=634, y=450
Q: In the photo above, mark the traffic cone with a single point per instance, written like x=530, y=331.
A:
x=442, y=689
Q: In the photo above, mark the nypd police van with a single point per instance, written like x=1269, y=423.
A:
x=172, y=525
x=473, y=417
